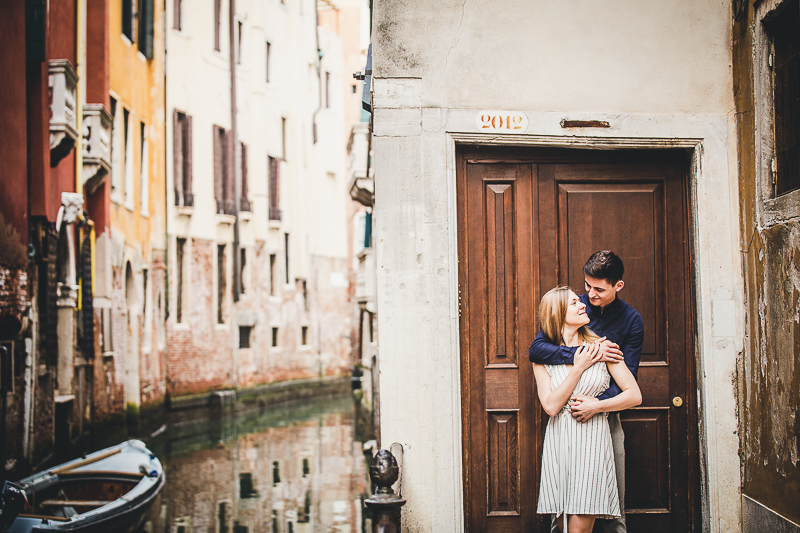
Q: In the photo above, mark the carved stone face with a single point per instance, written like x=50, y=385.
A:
x=73, y=204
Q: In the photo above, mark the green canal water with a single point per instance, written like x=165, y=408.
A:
x=294, y=468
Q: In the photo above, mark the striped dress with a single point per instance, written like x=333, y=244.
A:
x=578, y=474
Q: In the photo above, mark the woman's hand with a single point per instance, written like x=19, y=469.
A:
x=587, y=355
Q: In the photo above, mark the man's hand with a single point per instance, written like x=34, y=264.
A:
x=609, y=351
x=584, y=407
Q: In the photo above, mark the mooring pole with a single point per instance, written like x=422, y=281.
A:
x=385, y=504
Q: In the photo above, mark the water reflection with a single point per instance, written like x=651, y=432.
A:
x=289, y=470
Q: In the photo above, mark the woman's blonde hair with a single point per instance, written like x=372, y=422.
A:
x=553, y=315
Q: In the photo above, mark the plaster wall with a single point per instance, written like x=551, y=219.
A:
x=660, y=77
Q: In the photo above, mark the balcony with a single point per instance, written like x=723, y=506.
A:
x=366, y=279
x=96, y=146
x=362, y=188
x=63, y=83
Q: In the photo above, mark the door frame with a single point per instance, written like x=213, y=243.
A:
x=699, y=502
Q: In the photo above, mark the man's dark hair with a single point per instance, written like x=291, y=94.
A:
x=606, y=265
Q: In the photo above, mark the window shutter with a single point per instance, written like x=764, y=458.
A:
x=217, y=21
x=176, y=15
x=177, y=156
x=245, y=202
x=128, y=9
x=274, y=189
x=188, y=195
x=134, y=28
x=218, y=160
x=230, y=173
x=146, y=22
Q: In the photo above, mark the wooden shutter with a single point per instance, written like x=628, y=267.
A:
x=230, y=173
x=219, y=160
x=176, y=15
x=245, y=202
x=177, y=156
x=217, y=21
x=188, y=194
x=274, y=190
x=146, y=28
x=133, y=26
x=87, y=299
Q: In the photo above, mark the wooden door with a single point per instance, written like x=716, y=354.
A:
x=528, y=220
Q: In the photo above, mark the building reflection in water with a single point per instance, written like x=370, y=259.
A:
x=293, y=470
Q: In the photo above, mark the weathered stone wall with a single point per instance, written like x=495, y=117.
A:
x=769, y=367
x=205, y=356
x=199, y=356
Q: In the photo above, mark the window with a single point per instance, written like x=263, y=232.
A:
x=306, y=468
x=106, y=340
x=144, y=171
x=327, y=89
x=244, y=202
x=274, y=337
x=274, y=188
x=221, y=283
x=129, y=19
x=244, y=336
x=182, y=158
x=116, y=151
x=784, y=60
x=217, y=23
x=180, y=251
x=272, y=259
x=304, y=337
x=177, y=15
x=266, y=62
x=304, y=516
x=242, y=265
x=146, y=28
x=286, y=255
x=276, y=473
x=148, y=320
x=355, y=89
x=128, y=154
x=223, y=184
x=223, y=515
x=239, y=47
x=283, y=138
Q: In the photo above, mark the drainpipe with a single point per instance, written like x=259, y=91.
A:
x=166, y=207
x=237, y=188
x=319, y=75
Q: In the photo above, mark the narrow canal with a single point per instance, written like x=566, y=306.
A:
x=290, y=469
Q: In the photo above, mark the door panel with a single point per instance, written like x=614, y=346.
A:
x=528, y=220
x=499, y=425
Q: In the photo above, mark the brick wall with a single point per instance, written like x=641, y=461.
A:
x=205, y=356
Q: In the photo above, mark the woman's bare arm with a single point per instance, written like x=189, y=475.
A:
x=553, y=401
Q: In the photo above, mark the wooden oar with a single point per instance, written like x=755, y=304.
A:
x=87, y=461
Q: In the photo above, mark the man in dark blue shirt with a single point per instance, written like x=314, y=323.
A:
x=622, y=330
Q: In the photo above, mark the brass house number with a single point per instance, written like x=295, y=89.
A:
x=501, y=121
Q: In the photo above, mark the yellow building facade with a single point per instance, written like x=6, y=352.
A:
x=133, y=253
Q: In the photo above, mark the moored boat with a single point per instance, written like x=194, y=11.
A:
x=108, y=491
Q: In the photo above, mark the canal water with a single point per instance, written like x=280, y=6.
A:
x=289, y=469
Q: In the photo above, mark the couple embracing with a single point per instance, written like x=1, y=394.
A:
x=585, y=363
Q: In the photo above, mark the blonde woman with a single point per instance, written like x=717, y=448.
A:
x=578, y=481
